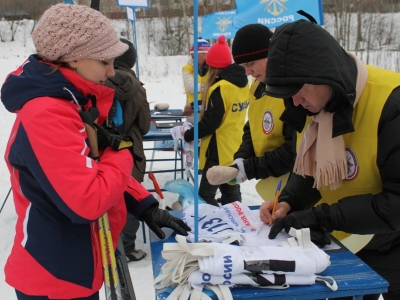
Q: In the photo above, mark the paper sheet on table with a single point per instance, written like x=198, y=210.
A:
x=261, y=239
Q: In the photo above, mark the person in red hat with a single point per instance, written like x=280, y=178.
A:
x=188, y=76
x=226, y=98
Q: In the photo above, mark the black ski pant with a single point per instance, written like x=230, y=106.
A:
x=129, y=233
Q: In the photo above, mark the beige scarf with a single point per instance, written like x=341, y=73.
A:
x=321, y=156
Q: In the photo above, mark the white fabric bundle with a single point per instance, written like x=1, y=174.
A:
x=198, y=279
x=217, y=266
x=226, y=224
x=228, y=259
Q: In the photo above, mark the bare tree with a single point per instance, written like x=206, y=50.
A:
x=158, y=5
x=110, y=7
x=359, y=37
x=186, y=23
x=12, y=9
x=342, y=21
x=85, y=2
x=36, y=8
x=128, y=30
x=149, y=32
x=180, y=36
x=2, y=33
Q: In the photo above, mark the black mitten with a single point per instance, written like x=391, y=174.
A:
x=108, y=137
x=89, y=116
x=315, y=218
x=156, y=218
x=102, y=140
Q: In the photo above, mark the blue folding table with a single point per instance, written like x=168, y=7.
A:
x=163, y=134
x=352, y=275
x=169, y=114
x=157, y=135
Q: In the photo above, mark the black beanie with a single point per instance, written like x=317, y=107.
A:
x=127, y=58
x=251, y=43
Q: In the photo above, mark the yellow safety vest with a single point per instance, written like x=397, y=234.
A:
x=266, y=134
x=201, y=79
x=361, y=145
x=229, y=133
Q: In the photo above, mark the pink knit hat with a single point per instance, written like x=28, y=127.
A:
x=72, y=32
x=219, y=56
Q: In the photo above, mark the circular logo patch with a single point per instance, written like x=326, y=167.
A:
x=267, y=122
x=352, y=163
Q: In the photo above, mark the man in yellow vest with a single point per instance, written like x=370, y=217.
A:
x=188, y=76
x=266, y=151
x=347, y=115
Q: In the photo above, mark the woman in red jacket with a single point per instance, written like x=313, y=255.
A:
x=60, y=189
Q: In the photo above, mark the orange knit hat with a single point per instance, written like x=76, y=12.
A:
x=219, y=56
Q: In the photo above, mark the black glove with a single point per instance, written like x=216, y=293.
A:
x=156, y=218
x=89, y=116
x=108, y=137
x=315, y=218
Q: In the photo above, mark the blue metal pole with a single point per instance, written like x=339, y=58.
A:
x=196, y=120
x=135, y=41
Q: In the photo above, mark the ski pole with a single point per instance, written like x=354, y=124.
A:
x=112, y=285
x=5, y=200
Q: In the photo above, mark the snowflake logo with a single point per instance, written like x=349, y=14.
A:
x=223, y=23
x=275, y=7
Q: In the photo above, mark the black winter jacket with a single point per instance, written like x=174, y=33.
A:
x=272, y=163
x=327, y=63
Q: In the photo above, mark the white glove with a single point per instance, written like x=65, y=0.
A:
x=241, y=176
x=237, y=160
x=177, y=133
x=220, y=174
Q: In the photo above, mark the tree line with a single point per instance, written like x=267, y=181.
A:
x=358, y=25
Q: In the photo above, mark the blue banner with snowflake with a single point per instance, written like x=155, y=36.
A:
x=273, y=13
x=218, y=23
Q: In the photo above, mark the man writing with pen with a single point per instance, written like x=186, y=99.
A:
x=266, y=152
x=346, y=178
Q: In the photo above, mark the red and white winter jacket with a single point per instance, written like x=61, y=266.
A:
x=59, y=191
